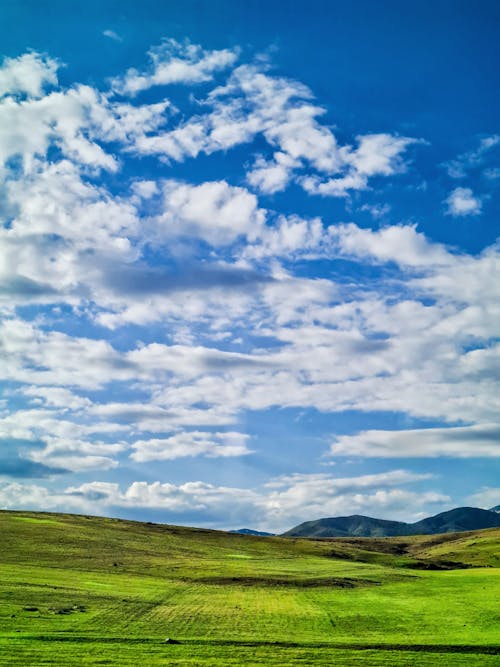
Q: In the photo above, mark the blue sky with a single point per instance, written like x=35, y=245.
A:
x=249, y=263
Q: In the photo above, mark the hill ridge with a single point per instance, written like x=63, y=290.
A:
x=458, y=519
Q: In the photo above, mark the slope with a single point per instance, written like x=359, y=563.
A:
x=78, y=590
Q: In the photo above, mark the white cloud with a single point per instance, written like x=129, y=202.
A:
x=471, y=282
x=233, y=327
x=32, y=356
x=31, y=496
x=462, y=202
x=60, y=438
x=112, y=35
x=379, y=154
x=56, y=397
x=155, y=418
x=28, y=74
x=290, y=236
x=396, y=243
x=310, y=483
x=214, y=211
x=377, y=211
x=175, y=62
x=191, y=443
x=376, y=155
x=273, y=175
x=74, y=121
x=58, y=119
x=306, y=497
x=74, y=457
x=145, y=189
x=254, y=103
x=458, y=442
x=486, y=498
x=460, y=166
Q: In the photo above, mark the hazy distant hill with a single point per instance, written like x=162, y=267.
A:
x=495, y=509
x=349, y=526
x=249, y=531
x=456, y=520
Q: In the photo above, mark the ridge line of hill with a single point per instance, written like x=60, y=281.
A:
x=456, y=520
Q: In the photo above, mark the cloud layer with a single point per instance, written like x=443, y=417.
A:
x=148, y=314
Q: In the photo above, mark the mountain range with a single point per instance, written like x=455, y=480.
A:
x=456, y=520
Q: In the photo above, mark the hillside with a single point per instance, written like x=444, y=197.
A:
x=456, y=520
x=461, y=518
x=345, y=526
x=80, y=590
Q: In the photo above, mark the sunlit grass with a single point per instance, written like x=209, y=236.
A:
x=78, y=590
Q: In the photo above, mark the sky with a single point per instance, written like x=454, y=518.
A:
x=249, y=259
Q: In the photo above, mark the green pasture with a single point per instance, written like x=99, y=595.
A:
x=89, y=591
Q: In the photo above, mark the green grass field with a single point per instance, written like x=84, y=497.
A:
x=80, y=590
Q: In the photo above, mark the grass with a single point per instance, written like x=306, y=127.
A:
x=80, y=590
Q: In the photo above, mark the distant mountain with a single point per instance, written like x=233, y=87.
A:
x=349, y=526
x=456, y=520
x=495, y=509
x=249, y=531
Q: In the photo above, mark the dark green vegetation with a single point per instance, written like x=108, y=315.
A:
x=459, y=519
x=81, y=590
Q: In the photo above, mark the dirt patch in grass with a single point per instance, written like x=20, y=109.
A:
x=330, y=582
x=437, y=565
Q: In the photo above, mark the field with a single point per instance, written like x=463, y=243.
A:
x=78, y=590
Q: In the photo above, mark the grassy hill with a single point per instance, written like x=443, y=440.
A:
x=78, y=590
x=345, y=526
x=459, y=519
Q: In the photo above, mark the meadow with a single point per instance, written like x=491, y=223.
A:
x=77, y=590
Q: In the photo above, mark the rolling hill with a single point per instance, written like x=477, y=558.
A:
x=80, y=590
x=456, y=520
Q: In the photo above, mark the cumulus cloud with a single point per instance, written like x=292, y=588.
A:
x=375, y=155
x=214, y=211
x=28, y=75
x=254, y=103
x=192, y=443
x=396, y=243
x=273, y=175
x=175, y=62
x=462, y=202
x=285, y=502
x=288, y=237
